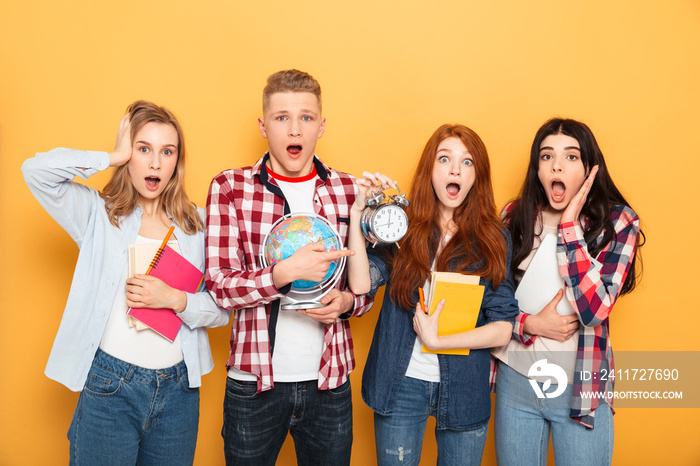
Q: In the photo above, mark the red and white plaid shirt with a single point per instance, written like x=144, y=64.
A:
x=242, y=206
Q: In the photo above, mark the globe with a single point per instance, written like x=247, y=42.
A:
x=292, y=232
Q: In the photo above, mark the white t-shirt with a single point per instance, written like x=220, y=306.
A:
x=299, y=339
x=521, y=357
x=425, y=366
x=144, y=348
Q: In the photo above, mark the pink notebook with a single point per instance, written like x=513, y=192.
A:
x=178, y=273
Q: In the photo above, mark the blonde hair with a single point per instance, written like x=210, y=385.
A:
x=120, y=195
x=290, y=81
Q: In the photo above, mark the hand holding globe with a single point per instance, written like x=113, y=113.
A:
x=310, y=256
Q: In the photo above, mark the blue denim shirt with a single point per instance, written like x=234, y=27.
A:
x=464, y=398
x=103, y=255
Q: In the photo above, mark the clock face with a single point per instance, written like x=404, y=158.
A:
x=389, y=223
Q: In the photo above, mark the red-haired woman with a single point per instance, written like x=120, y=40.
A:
x=453, y=226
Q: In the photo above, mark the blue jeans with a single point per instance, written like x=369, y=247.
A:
x=523, y=423
x=399, y=435
x=256, y=424
x=127, y=415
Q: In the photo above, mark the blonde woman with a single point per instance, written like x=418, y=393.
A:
x=139, y=400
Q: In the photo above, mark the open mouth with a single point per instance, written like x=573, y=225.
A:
x=152, y=182
x=453, y=189
x=558, y=190
x=294, y=150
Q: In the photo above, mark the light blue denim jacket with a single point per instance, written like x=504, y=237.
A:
x=465, y=399
x=101, y=260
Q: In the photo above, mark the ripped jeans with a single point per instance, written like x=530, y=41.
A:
x=399, y=436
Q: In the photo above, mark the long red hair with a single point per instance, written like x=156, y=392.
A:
x=479, y=237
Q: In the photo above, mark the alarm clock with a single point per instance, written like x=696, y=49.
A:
x=384, y=219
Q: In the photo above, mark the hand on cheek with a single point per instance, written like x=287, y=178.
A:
x=573, y=210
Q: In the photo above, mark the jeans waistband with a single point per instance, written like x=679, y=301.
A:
x=130, y=371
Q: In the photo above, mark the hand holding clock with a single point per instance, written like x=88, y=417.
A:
x=367, y=185
x=358, y=265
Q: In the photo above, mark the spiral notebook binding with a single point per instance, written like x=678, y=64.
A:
x=157, y=257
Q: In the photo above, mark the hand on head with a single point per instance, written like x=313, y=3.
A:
x=122, y=148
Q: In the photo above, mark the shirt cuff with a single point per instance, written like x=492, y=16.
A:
x=518, y=330
x=571, y=232
x=355, y=304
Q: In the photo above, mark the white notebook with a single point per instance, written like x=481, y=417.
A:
x=541, y=281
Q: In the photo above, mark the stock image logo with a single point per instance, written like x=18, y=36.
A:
x=542, y=368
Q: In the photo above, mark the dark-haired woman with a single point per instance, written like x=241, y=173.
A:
x=568, y=195
x=453, y=226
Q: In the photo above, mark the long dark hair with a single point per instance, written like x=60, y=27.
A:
x=522, y=216
x=478, y=239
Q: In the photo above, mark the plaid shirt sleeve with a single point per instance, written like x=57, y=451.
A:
x=232, y=279
x=593, y=284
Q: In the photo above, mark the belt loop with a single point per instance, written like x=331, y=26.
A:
x=130, y=372
x=182, y=370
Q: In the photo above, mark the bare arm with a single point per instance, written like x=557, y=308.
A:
x=487, y=336
x=358, y=265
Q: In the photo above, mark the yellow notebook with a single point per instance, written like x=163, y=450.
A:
x=463, y=296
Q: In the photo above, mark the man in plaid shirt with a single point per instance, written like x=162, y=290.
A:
x=288, y=370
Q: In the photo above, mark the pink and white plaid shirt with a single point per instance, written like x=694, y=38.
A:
x=242, y=206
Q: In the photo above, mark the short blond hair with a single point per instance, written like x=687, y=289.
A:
x=290, y=81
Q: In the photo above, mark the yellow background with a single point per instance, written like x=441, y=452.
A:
x=391, y=72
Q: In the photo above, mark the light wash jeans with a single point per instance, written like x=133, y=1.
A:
x=523, y=423
x=399, y=436
x=127, y=415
